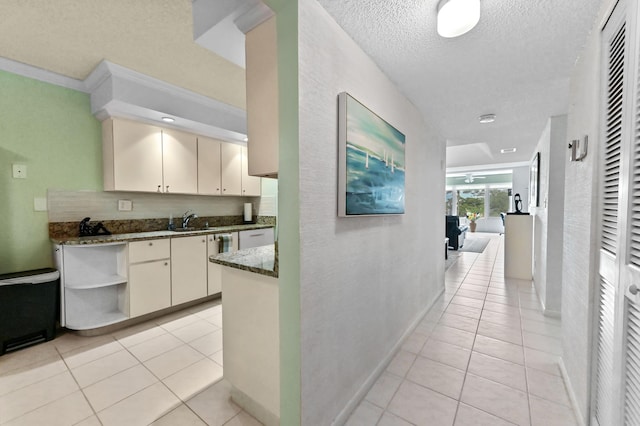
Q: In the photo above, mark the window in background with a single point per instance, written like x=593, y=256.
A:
x=448, y=203
x=471, y=201
x=498, y=201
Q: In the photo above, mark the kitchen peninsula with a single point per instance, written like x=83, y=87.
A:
x=251, y=336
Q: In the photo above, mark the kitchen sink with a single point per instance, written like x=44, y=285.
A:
x=188, y=229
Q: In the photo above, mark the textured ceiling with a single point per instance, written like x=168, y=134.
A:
x=516, y=63
x=153, y=37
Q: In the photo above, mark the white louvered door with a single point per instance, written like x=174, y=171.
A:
x=617, y=372
x=630, y=278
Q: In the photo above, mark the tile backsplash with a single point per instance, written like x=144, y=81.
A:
x=70, y=206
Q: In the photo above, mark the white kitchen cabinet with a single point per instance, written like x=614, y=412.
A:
x=251, y=185
x=188, y=268
x=255, y=238
x=149, y=276
x=214, y=270
x=262, y=99
x=146, y=158
x=179, y=162
x=231, y=164
x=132, y=156
x=209, y=166
x=94, y=284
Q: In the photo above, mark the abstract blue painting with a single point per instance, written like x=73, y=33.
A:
x=372, y=162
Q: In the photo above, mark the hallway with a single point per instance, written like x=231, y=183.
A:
x=484, y=355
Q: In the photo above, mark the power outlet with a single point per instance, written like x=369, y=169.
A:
x=125, y=205
x=19, y=171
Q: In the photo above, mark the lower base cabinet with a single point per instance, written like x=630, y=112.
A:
x=188, y=269
x=149, y=287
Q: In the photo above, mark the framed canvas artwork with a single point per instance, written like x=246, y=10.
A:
x=371, y=172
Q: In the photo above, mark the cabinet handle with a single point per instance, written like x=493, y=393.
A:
x=224, y=189
x=166, y=263
x=167, y=190
x=159, y=186
x=204, y=241
x=150, y=244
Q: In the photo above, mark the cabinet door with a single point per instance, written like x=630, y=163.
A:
x=262, y=98
x=149, y=287
x=231, y=156
x=251, y=185
x=180, y=162
x=214, y=271
x=188, y=269
x=209, y=172
x=136, y=156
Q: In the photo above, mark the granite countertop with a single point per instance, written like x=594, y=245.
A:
x=140, y=236
x=260, y=260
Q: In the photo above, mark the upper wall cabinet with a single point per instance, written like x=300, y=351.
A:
x=262, y=99
x=231, y=174
x=209, y=166
x=251, y=185
x=179, y=162
x=141, y=157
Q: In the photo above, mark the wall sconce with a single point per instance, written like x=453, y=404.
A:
x=578, y=154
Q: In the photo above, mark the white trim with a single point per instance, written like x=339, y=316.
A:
x=487, y=167
x=43, y=75
x=571, y=393
x=106, y=70
x=358, y=397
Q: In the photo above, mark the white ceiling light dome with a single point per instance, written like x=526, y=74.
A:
x=457, y=17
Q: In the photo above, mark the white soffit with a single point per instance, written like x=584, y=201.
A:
x=516, y=63
x=220, y=25
x=121, y=92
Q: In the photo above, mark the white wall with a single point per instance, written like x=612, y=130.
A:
x=521, y=186
x=580, y=224
x=363, y=281
x=70, y=206
x=548, y=216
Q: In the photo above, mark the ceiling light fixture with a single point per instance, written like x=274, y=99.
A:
x=507, y=150
x=487, y=118
x=168, y=119
x=457, y=17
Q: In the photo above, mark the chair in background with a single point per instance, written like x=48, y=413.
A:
x=455, y=232
x=502, y=215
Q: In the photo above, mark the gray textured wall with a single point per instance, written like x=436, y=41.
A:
x=580, y=237
x=365, y=280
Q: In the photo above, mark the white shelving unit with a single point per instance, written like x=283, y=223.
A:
x=94, y=285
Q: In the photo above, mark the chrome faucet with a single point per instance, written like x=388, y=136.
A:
x=186, y=217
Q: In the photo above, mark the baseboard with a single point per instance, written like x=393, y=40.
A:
x=254, y=408
x=353, y=403
x=572, y=395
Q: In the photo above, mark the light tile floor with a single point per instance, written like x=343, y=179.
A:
x=484, y=355
x=167, y=371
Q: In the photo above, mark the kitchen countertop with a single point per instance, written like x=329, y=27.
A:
x=141, y=236
x=260, y=260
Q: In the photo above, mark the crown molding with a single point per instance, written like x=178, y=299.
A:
x=119, y=91
x=40, y=74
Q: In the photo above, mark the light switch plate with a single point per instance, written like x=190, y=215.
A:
x=125, y=205
x=40, y=204
x=19, y=171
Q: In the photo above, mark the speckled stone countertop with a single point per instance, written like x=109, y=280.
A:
x=261, y=260
x=141, y=236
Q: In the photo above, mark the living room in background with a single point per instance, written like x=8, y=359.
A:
x=485, y=194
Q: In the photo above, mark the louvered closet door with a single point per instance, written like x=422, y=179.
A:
x=608, y=372
x=630, y=277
